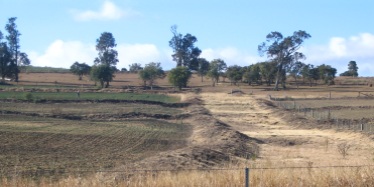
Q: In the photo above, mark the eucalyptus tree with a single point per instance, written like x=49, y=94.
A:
x=234, y=73
x=202, y=68
x=185, y=52
x=18, y=58
x=5, y=59
x=80, y=69
x=216, y=69
x=151, y=72
x=104, y=67
x=352, y=69
x=282, y=50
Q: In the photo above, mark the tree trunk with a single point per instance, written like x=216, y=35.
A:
x=278, y=77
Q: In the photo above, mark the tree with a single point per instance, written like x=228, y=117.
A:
x=106, y=60
x=202, y=68
x=150, y=73
x=326, y=73
x=105, y=46
x=18, y=58
x=185, y=52
x=295, y=70
x=283, y=51
x=234, y=73
x=103, y=73
x=216, y=69
x=252, y=73
x=310, y=73
x=80, y=69
x=268, y=71
x=352, y=70
x=135, y=67
x=5, y=59
x=179, y=76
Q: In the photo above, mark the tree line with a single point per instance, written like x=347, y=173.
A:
x=284, y=61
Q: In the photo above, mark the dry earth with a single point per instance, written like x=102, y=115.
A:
x=288, y=142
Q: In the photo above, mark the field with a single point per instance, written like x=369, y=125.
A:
x=130, y=136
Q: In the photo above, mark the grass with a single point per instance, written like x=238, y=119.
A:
x=89, y=96
x=230, y=176
x=37, y=147
x=87, y=108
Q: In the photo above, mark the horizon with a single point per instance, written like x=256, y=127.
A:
x=66, y=32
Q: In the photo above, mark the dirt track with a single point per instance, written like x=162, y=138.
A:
x=287, y=143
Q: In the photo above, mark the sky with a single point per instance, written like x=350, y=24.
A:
x=57, y=33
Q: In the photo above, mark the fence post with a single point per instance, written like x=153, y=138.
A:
x=362, y=126
x=246, y=177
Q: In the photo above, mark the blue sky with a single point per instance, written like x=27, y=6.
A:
x=57, y=33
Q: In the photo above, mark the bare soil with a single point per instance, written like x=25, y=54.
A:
x=288, y=140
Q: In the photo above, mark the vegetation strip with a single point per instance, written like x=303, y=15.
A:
x=99, y=116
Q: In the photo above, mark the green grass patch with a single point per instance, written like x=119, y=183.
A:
x=87, y=96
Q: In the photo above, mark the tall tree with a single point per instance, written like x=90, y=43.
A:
x=5, y=59
x=105, y=46
x=104, y=68
x=282, y=51
x=202, y=68
x=185, y=52
x=14, y=48
x=352, y=67
x=150, y=73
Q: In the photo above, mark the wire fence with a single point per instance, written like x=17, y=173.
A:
x=326, y=114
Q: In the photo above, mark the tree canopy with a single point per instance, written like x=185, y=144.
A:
x=80, y=69
x=12, y=59
x=185, y=52
x=105, y=47
x=283, y=51
x=150, y=73
x=104, y=68
x=179, y=76
x=352, y=70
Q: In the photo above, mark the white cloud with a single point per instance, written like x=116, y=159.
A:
x=143, y=54
x=339, y=51
x=64, y=54
x=231, y=55
x=108, y=11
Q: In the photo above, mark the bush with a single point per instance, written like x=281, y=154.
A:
x=28, y=96
x=179, y=76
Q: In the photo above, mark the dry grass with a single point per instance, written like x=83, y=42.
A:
x=233, y=176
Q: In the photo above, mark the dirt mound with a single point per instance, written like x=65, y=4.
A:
x=211, y=144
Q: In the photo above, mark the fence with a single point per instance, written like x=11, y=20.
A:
x=248, y=176
x=363, y=125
